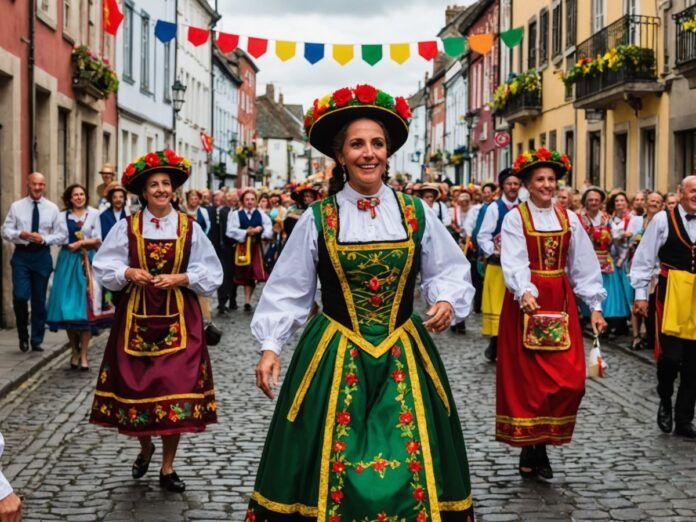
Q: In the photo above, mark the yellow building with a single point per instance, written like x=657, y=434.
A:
x=613, y=123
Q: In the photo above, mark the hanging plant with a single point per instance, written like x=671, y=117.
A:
x=97, y=70
x=517, y=84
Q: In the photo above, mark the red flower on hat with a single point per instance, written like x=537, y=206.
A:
x=365, y=93
x=402, y=107
x=130, y=170
x=152, y=159
x=543, y=154
x=315, y=109
x=341, y=97
x=307, y=121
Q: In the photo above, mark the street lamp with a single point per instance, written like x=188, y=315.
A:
x=178, y=90
x=470, y=119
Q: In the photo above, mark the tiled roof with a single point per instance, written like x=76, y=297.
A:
x=274, y=121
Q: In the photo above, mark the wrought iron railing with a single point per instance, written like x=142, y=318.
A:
x=686, y=38
x=634, y=30
x=524, y=100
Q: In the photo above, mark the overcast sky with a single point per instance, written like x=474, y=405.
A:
x=347, y=21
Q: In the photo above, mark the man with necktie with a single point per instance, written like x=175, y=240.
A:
x=32, y=225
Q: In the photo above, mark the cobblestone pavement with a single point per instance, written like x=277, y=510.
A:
x=619, y=466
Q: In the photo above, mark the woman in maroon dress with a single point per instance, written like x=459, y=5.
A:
x=156, y=378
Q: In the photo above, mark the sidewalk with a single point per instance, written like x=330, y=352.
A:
x=17, y=366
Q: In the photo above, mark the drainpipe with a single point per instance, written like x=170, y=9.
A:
x=32, y=87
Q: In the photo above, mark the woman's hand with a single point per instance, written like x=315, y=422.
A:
x=528, y=303
x=597, y=321
x=139, y=276
x=640, y=307
x=166, y=281
x=268, y=366
x=75, y=246
x=440, y=317
x=11, y=508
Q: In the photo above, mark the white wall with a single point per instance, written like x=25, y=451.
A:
x=225, y=120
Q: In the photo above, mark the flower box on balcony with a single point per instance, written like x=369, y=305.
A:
x=685, y=55
x=93, y=75
x=519, y=99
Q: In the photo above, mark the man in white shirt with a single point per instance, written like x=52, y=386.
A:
x=671, y=239
x=10, y=504
x=32, y=225
x=488, y=240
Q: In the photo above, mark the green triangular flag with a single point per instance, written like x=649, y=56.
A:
x=454, y=45
x=512, y=37
x=372, y=53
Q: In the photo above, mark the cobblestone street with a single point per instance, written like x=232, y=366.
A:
x=619, y=466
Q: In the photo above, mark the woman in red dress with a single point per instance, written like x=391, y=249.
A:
x=547, y=259
x=156, y=378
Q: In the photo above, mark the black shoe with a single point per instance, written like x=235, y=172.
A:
x=36, y=348
x=222, y=311
x=664, y=416
x=172, y=482
x=74, y=366
x=247, y=307
x=233, y=306
x=543, y=466
x=84, y=368
x=685, y=430
x=24, y=346
x=527, y=461
x=141, y=464
x=492, y=350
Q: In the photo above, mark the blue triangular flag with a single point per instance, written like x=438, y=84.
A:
x=313, y=52
x=165, y=31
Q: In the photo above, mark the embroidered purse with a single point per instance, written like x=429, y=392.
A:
x=242, y=253
x=546, y=331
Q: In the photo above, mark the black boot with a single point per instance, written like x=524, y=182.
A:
x=543, y=465
x=527, y=466
x=492, y=350
x=21, y=310
x=664, y=416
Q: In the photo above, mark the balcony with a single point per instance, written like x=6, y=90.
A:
x=522, y=108
x=635, y=75
x=685, y=59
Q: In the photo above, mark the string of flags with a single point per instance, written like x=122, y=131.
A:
x=314, y=52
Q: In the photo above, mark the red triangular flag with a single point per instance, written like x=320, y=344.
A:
x=227, y=42
x=197, y=36
x=428, y=50
x=112, y=17
x=257, y=47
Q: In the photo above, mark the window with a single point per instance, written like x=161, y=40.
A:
x=531, y=45
x=595, y=160
x=63, y=153
x=570, y=152
x=167, y=71
x=542, y=139
x=553, y=142
x=128, y=42
x=557, y=31
x=67, y=13
x=543, y=37
x=145, y=53
x=597, y=15
x=620, y=159
x=530, y=144
x=648, y=158
x=570, y=12
x=106, y=147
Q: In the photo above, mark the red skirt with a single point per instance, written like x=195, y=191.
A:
x=538, y=393
x=253, y=273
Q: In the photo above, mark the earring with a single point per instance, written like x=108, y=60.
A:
x=345, y=173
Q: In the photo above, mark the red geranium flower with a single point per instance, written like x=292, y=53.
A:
x=406, y=417
x=415, y=466
x=351, y=378
x=543, y=154
x=412, y=446
x=419, y=494
x=343, y=417
x=373, y=284
x=339, y=446
x=398, y=375
x=338, y=467
x=375, y=300
x=337, y=496
x=130, y=170
x=402, y=107
x=379, y=465
x=152, y=159
x=365, y=93
x=342, y=96
x=396, y=351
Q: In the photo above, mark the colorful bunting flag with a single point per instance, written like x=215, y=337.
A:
x=207, y=142
x=428, y=49
x=165, y=31
x=112, y=17
x=227, y=42
x=481, y=43
x=313, y=52
x=372, y=53
x=399, y=52
x=257, y=47
x=343, y=53
x=512, y=37
x=285, y=50
x=197, y=36
x=454, y=46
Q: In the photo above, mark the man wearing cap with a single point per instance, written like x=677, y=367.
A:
x=488, y=240
x=116, y=197
x=32, y=225
x=108, y=174
x=430, y=193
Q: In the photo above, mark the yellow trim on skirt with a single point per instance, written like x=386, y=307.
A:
x=493, y=295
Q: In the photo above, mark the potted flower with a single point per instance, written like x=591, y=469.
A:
x=628, y=56
x=93, y=71
x=517, y=85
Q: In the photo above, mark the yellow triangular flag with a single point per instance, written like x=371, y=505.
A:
x=343, y=53
x=400, y=52
x=285, y=50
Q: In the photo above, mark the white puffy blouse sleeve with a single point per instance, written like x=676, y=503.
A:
x=290, y=291
x=111, y=260
x=204, y=270
x=514, y=258
x=233, y=230
x=5, y=487
x=584, y=272
x=445, y=272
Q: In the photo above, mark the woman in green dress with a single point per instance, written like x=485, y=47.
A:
x=365, y=427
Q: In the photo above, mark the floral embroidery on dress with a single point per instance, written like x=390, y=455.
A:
x=551, y=244
x=104, y=374
x=138, y=343
x=158, y=253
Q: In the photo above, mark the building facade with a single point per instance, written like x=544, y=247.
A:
x=409, y=159
x=226, y=85
x=247, y=171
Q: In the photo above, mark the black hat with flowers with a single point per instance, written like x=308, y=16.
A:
x=541, y=157
x=297, y=192
x=162, y=161
x=328, y=114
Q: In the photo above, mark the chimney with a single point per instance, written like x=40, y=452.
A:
x=270, y=91
x=452, y=11
x=280, y=98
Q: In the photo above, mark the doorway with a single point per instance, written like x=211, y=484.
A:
x=620, y=159
x=595, y=160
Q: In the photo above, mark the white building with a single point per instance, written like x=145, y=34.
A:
x=456, y=132
x=145, y=68
x=409, y=160
x=194, y=70
x=226, y=84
